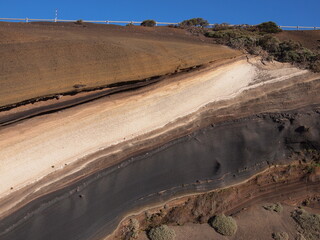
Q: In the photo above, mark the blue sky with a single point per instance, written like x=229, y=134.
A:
x=283, y=12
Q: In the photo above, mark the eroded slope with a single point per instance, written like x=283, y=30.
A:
x=102, y=141
x=46, y=59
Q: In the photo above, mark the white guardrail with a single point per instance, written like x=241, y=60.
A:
x=125, y=22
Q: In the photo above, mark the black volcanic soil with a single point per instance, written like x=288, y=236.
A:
x=210, y=158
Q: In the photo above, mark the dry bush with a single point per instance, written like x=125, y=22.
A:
x=222, y=26
x=224, y=225
x=194, y=22
x=148, y=23
x=276, y=207
x=309, y=224
x=162, y=232
x=132, y=230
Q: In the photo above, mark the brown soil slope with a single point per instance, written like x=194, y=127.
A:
x=308, y=38
x=42, y=59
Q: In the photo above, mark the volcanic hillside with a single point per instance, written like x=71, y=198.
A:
x=104, y=126
x=42, y=59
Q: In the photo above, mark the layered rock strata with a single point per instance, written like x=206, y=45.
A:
x=74, y=174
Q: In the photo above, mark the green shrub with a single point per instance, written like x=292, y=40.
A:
x=236, y=38
x=222, y=26
x=266, y=27
x=309, y=224
x=257, y=40
x=224, y=225
x=162, y=232
x=148, y=23
x=280, y=236
x=269, y=27
x=290, y=51
x=226, y=34
x=276, y=207
x=270, y=44
x=194, y=22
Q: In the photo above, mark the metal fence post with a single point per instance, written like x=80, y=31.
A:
x=56, y=17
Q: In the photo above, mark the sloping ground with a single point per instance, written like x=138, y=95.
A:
x=78, y=172
x=265, y=224
x=309, y=39
x=41, y=59
x=293, y=186
x=117, y=145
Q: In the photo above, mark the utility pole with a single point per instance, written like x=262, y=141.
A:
x=56, y=17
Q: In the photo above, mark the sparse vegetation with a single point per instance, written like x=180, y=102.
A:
x=222, y=26
x=194, y=22
x=80, y=22
x=196, y=26
x=133, y=229
x=290, y=51
x=162, y=232
x=260, y=40
x=280, y=236
x=276, y=207
x=269, y=27
x=148, y=23
x=266, y=27
x=235, y=38
x=224, y=225
x=309, y=224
